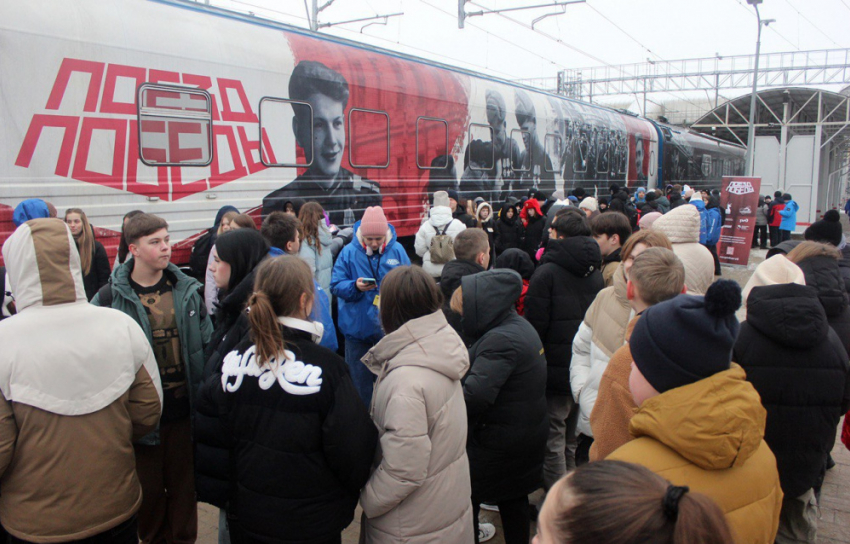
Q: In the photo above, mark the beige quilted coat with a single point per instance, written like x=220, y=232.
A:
x=420, y=489
x=681, y=225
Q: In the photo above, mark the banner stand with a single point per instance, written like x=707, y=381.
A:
x=739, y=197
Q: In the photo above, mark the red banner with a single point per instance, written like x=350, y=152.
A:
x=739, y=196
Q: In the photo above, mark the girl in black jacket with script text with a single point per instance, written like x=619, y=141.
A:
x=508, y=229
x=301, y=441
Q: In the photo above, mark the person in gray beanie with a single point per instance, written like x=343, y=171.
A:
x=699, y=422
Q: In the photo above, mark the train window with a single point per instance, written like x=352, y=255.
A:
x=652, y=163
x=523, y=162
x=602, y=158
x=552, y=147
x=432, y=143
x=279, y=117
x=482, y=156
x=175, y=125
x=369, y=138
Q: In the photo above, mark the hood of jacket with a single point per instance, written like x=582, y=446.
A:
x=578, y=255
x=440, y=216
x=714, y=202
x=517, y=260
x=715, y=423
x=535, y=205
x=43, y=264
x=32, y=208
x=325, y=236
x=453, y=272
x=432, y=344
x=488, y=298
x=681, y=225
x=824, y=274
x=358, y=241
x=221, y=211
x=481, y=207
x=789, y=314
x=698, y=204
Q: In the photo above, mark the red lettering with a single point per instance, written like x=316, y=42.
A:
x=159, y=189
x=115, y=179
x=113, y=72
x=218, y=177
x=163, y=76
x=38, y=122
x=227, y=114
x=95, y=71
x=183, y=154
x=248, y=148
x=203, y=82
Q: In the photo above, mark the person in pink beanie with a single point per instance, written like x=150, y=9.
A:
x=356, y=282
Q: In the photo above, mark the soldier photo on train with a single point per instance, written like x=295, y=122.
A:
x=343, y=194
x=536, y=168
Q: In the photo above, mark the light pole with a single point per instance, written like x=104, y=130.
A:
x=751, y=133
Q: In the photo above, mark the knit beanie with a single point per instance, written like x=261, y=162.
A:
x=441, y=198
x=589, y=203
x=648, y=219
x=374, y=222
x=687, y=338
x=826, y=230
x=573, y=199
x=453, y=195
x=774, y=271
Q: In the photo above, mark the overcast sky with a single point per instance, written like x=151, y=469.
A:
x=594, y=33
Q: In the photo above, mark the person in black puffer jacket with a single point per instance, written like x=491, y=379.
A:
x=472, y=255
x=819, y=263
x=829, y=231
x=240, y=251
x=505, y=399
x=508, y=229
x=800, y=369
x=301, y=441
x=561, y=290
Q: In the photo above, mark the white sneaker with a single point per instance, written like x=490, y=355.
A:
x=489, y=507
x=486, y=531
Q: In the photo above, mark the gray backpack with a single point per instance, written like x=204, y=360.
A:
x=442, y=246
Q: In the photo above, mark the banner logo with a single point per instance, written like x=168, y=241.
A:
x=741, y=187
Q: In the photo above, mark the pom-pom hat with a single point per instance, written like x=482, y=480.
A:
x=687, y=338
x=826, y=230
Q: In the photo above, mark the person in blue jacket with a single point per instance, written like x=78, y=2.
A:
x=789, y=218
x=356, y=282
x=697, y=202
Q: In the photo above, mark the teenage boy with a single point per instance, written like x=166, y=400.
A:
x=167, y=305
x=699, y=422
x=472, y=255
x=655, y=275
x=560, y=292
x=356, y=282
x=610, y=230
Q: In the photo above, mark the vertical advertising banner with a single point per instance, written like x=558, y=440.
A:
x=739, y=196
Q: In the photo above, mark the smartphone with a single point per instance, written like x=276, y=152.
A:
x=368, y=281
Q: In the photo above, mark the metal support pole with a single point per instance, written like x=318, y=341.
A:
x=816, y=163
x=314, y=20
x=783, y=146
x=751, y=133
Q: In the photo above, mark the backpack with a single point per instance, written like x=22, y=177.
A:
x=200, y=256
x=442, y=246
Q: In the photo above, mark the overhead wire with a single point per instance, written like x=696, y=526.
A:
x=811, y=23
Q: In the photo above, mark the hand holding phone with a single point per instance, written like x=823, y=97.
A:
x=366, y=284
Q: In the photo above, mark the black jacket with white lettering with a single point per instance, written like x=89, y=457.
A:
x=301, y=441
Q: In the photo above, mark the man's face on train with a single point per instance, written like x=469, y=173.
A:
x=328, y=134
x=639, y=155
x=529, y=133
x=496, y=120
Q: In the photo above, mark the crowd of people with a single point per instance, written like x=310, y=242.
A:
x=295, y=370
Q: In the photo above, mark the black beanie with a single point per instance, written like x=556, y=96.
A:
x=242, y=249
x=687, y=338
x=826, y=230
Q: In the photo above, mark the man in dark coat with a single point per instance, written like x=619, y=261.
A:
x=472, y=255
x=505, y=400
x=559, y=294
x=800, y=369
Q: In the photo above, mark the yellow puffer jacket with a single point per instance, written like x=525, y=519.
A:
x=709, y=436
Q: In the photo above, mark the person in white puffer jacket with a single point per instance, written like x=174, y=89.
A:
x=682, y=226
x=439, y=217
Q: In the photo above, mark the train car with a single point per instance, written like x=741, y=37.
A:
x=178, y=108
x=696, y=159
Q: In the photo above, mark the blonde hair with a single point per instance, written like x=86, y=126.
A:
x=230, y=216
x=808, y=250
x=658, y=274
x=310, y=215
x=84, y=240
x=649, y=238
x=456, y=303
x=278, y=287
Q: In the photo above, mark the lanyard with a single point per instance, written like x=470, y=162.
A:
x=375, y=272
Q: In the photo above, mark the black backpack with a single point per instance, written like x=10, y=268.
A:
x=200, y=256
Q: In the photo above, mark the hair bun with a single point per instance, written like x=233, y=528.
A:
x=832, y=215
x=723, y=298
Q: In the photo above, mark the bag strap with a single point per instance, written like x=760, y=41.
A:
x=445, y=228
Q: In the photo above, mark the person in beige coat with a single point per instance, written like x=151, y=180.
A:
x=681, y=225
x=420, y=489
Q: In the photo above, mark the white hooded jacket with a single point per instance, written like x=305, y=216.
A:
x=440, y=217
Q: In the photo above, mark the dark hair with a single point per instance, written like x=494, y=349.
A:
x=787, y=196
x=610, y=224
x=143, y=224
x=612, y=502
x=244, y=221
x=279, y=228
x=777, y=194
x=123, y=246
x=407, y=292
x=243, y=250
x=278, y=287
x=310, y=77
x=569, y=222
x=310, y=215
x=470, y=243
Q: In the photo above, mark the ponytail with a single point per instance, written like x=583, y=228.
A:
x=700, y=520
x=265, y=331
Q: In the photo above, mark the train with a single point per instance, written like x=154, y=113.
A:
x=178, y=108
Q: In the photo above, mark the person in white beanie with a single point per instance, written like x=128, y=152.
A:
x=589, y=206
x=682, y=227
x=439, y=223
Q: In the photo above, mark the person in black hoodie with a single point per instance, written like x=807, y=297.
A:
x=301, y=441
x=800, y=369
x=829, y=231
x=236, y=256
x=533, y=221
x=560, y=292
x=508, y=228
x=472, y=255
x=676, y=200
x=505, y=399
